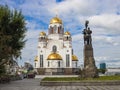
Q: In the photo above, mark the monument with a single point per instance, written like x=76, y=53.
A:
x=90, y=69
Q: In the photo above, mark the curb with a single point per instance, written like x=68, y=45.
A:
x=78, y=83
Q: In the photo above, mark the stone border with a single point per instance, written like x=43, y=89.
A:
x=78, y=83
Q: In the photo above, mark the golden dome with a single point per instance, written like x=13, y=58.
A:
x=54, y=56
x=55, y=20
x=74, y=58
x=42, y=33
x=67, y=33
x=36, y=58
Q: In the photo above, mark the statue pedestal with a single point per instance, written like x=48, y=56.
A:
x=89, y=70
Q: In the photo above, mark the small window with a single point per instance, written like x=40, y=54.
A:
x=35, y=64
x=55, y=29
x=54, y=48
x=67, y=37
x=41, y=60
x=76, y=64
x=48, y=63
x=58, y=63
x=67, y=60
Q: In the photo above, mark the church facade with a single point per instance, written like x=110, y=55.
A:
x=55, y=52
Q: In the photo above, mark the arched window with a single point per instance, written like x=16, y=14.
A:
x=54, y=48
x=67, y=60
x=67, y=37
x=59, y=30
x=58, y=63
x=55, y=29
x=41, y=60
x=76, y=64
x=48, y=63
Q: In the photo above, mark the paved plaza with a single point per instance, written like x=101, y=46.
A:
x=34, y=84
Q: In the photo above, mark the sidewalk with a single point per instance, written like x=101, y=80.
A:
x=34, y=84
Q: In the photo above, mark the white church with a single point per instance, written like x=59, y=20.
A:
x=55, y=53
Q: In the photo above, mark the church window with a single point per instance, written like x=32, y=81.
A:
x=67, y=37
x=54, y=49
x=50, y=30
x=48, y=63
x=35, y=64
x=67, y=60
x=41, y=60
x=59, y=30
x=76, y=64
x=58, y=63
x=55, y=29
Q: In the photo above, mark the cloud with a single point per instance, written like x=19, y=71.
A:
x=109, y=22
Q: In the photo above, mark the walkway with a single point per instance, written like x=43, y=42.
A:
x=34, y=84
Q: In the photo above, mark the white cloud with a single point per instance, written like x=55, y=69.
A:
x=109, y=22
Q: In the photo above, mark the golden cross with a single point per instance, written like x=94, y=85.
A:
x=56, y=12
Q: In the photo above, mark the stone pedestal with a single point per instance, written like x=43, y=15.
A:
x=90, y=69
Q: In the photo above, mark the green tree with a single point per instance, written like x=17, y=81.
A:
x=102, y=71
x=12, y=34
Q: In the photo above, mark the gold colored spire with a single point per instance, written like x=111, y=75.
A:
x=57, y=12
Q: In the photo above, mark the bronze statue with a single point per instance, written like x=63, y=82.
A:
x=86, y=23
x=87, y=34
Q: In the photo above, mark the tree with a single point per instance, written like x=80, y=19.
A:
x=12, y=34
x=102, y=71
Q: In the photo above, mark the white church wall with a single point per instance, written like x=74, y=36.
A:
x=54, y=64
x=74, y=64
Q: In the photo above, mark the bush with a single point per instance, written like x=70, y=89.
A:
x=4, y=79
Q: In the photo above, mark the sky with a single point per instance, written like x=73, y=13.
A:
x=104, y=21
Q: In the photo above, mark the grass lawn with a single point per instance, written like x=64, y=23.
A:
x=101, y=78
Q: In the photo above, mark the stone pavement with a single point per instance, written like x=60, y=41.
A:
x=34, y=84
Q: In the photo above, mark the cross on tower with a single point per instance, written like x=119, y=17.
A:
x=56, y=12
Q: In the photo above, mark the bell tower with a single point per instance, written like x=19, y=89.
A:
x=56, y=26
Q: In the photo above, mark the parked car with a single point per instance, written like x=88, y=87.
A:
x=30, y=75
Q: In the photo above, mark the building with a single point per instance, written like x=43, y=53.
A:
x=55, y=53
x=112, y=71
x=102, y=65
x=11, y=68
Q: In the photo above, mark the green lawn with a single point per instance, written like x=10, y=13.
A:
x=103, y=78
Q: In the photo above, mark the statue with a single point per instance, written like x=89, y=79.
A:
x=87, y=34
x=86, y=23
x=90, y=69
